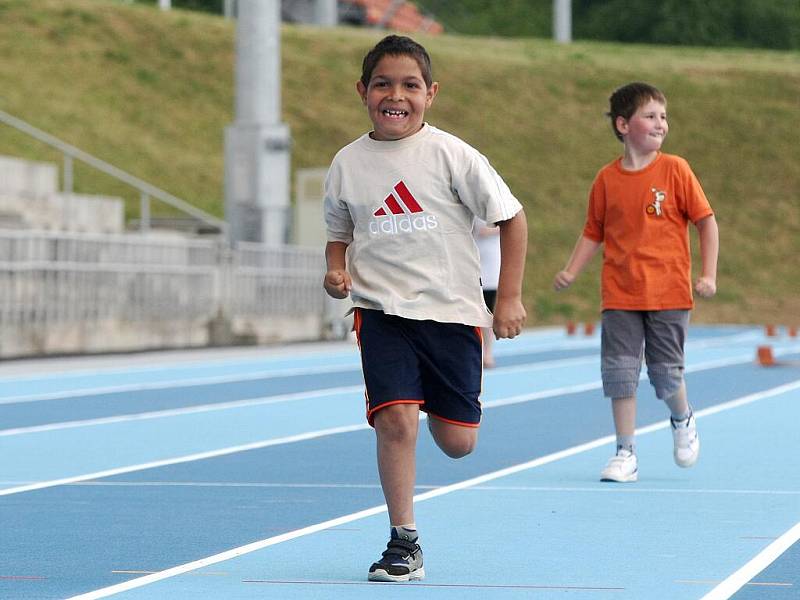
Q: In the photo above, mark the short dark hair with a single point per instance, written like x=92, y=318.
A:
x=625, y=100
x=397, y=45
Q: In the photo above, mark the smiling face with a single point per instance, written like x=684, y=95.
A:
x=396, y=97
x=645, y=131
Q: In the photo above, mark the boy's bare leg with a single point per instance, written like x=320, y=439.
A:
x=686, y=442
x=624, y=411
x=623, y=466
x=456, y=441
x=678, y=403
x=396, y=429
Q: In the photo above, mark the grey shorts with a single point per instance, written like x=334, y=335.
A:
x=657, y=336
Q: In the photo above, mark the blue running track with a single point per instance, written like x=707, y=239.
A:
x=250, y=473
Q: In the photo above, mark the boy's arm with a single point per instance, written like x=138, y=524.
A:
x=584, y=251
x=337, y=280
x=706, y=284
x=509, y=312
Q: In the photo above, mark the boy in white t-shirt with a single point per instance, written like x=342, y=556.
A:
x=399, y=207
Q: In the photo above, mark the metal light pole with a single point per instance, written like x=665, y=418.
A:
x=326, y=13
x=257, y=144
x=562, y=21
x=229, y=9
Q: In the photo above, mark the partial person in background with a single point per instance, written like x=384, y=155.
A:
x=640, y=206
x=487, y=238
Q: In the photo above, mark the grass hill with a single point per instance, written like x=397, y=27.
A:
x=151, y=93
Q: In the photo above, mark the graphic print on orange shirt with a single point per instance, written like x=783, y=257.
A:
x=655, y=207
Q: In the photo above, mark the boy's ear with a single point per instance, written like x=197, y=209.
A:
x=362, y=91
x=621, y=124
x=433, y=89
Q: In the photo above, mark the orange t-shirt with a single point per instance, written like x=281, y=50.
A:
x=642, y=218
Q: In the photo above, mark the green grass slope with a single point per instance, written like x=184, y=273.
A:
x=151, y=92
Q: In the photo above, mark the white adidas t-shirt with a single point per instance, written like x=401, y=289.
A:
x=406, y=209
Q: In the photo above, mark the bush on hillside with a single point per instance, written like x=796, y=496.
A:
x=747, y=23
x=722, y=23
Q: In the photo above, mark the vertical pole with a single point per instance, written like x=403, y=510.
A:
x=165, y=4
x=144, y=212
x=326, y=13
x=257, y=143
x=562, y=21
x=67, y=183
x=229, y=9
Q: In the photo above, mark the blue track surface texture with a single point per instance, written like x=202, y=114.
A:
x=227, y=476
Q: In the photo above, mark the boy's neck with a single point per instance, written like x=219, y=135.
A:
x=633, y=161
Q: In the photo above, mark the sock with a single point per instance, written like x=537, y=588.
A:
x=405, y=532
x=682, y=420
x=626, y=442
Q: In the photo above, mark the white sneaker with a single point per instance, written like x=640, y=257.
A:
x=621, y=468
x=686, y=442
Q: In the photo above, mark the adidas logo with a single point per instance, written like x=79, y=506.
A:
x=401, y=213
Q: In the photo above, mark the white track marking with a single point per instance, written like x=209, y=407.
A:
x=189, y=410
x=282, y=372
x=763, y=559
x=713, y=364
x=183, y=459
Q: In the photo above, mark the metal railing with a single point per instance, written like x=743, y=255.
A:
x=146, y=190
x=50, y=278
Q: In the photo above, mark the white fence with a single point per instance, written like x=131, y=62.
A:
x=93, y=293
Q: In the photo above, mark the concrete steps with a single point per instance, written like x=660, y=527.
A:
x=30, y=198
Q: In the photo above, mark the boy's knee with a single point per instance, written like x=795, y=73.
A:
x=396, y=425
x=454, y=441
x=620, y=376
x=459, y=448
x=665, y=379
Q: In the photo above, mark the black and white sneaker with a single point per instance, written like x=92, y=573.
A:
x=401, y=561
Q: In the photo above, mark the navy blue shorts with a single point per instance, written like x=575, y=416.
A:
x=435, y=365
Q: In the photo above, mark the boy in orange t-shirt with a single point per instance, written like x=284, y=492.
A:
x=639, y=207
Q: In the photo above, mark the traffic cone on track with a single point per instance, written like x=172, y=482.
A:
x=765, y=356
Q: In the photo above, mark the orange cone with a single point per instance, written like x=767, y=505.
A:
x=793, y=331
x=570, y=328
x=770, y=330
x=765, y=356
x=588, y=328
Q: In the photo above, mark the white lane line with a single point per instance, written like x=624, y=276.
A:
x=183, y=459
x=172, y=412
x=228, y=554
x=601, y=489
x=777, y=547
x=713, y=364
x=761, y=561
x=355, y=365
x=200, y=408
x=593, y=385
x=335, y=430
x=219, y=379
x=616, y=489
x=194, y=381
